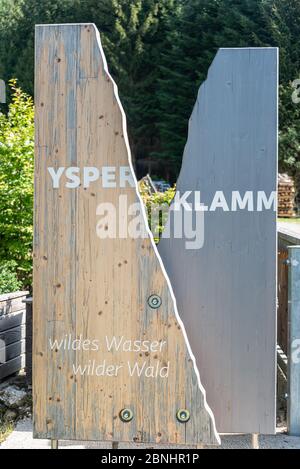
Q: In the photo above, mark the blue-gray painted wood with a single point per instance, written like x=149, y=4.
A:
x=12, y=320
x=294, y=342
x=13, y=335
x=13, y=350
x=226, y=291
x=12, y=366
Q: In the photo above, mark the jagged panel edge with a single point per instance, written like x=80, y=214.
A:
x=124, y=126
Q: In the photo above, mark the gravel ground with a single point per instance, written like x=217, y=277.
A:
x=21, y=438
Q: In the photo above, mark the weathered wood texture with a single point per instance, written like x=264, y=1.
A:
x=12, y=366
x=90, y=287
x=286, y=238
x=286, y=196
x=287, y=323
x=28, y=367
x=2, y=92
x=226, y=291
x=12, y=302
x=282, y=295
x=12, y=333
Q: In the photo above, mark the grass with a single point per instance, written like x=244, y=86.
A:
x=290, y=220
x=5, y=429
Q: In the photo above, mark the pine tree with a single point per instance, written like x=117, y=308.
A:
x=284, y=23
x=159, y=52
x=198, y=30
x=134, y=44
x=17, y=35
x=133, y=34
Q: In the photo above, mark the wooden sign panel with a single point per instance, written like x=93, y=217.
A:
x=225, y=281
x=111, y=357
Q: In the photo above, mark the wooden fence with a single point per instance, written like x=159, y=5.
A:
x=287, y=324
x=285, y=238
x=16, y=319
x=13, y=333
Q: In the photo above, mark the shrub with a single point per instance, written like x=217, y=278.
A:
x=8, y=277
x=16, y=182
x=157, y=205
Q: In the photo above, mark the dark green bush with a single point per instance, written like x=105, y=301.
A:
x=8, y=277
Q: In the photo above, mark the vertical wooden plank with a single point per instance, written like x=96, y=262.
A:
x=89, y=288
x=282, y=292
x=226, y=289
x=55, y=286
x=28, y=305
x=294, y=342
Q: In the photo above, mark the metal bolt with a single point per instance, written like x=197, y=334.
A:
x=154, y=301
x=183, y=415
x=126, y=415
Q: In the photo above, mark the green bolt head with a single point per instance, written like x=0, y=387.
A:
x=154, y=301
x=183, y=415
x=126, y=415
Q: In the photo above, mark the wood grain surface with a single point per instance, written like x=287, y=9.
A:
x=226, y=289
x=12, y=333
x=91, y=288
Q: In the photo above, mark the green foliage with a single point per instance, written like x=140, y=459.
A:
x=8, y=277
x=134, y=42
x=157, y=208
x=196, y=32
x=289, y=135
x=16, y=181
x=133, y=34
x=159, y=52
x=284, y=23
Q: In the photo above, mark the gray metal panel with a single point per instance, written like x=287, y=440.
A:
x=226, y=291
x=294, y=342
